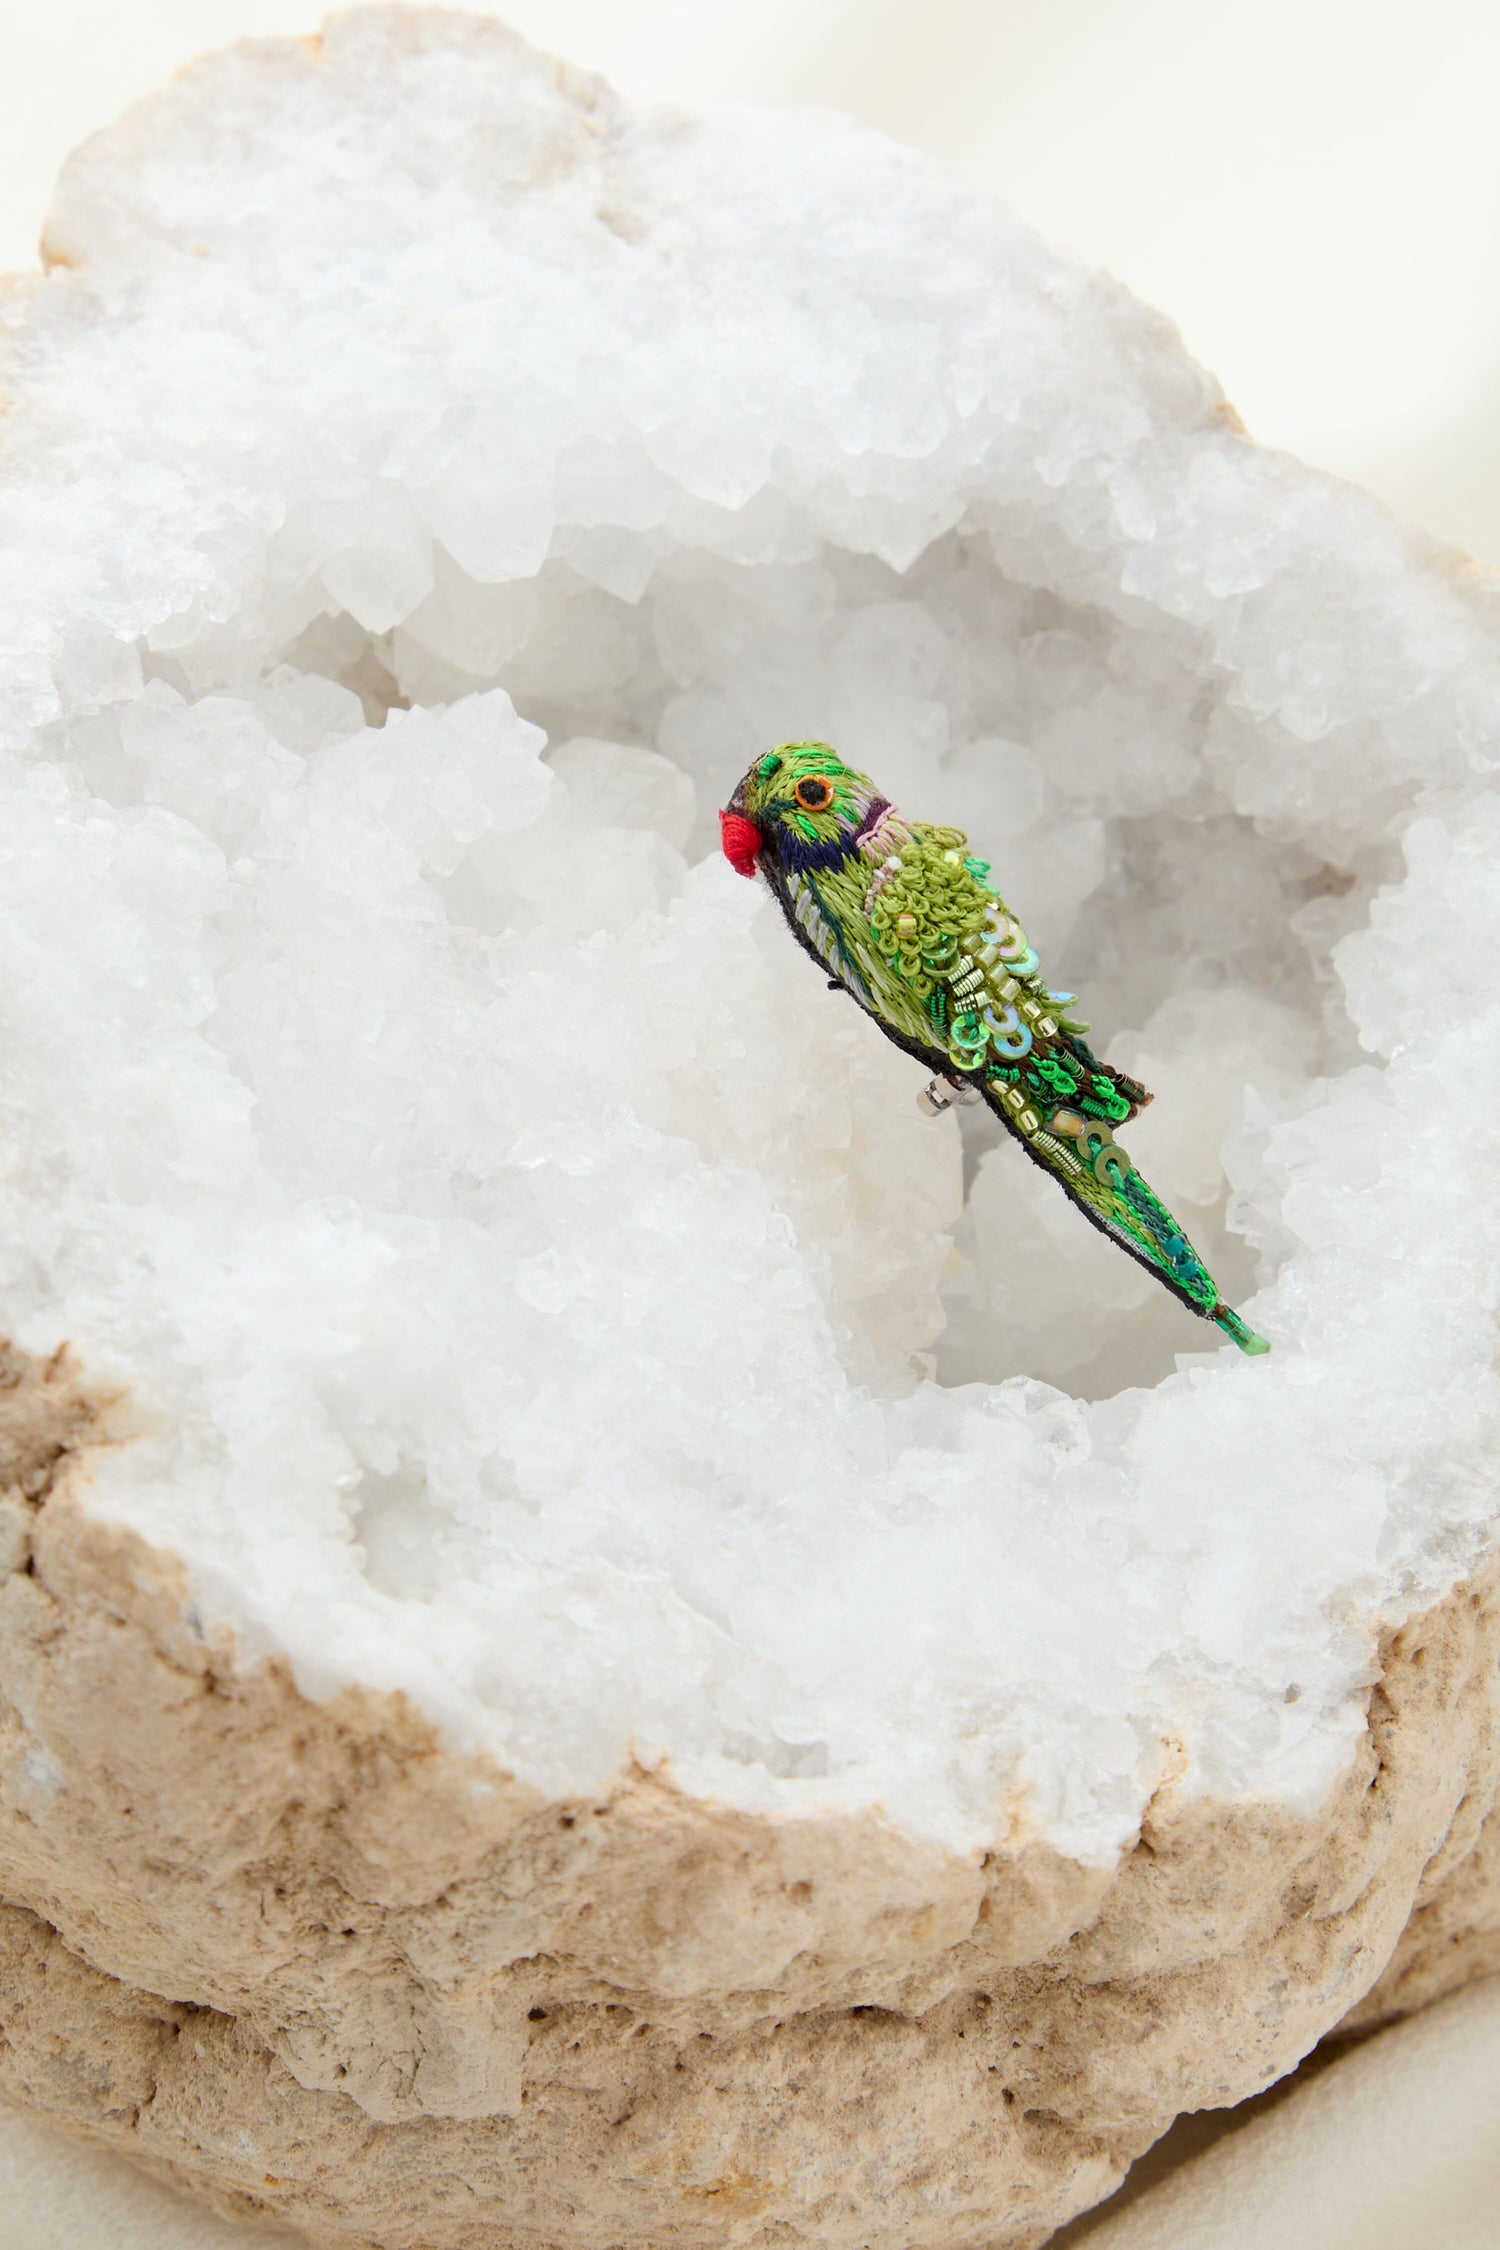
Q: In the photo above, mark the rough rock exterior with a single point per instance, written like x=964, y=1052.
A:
x=305, y=1960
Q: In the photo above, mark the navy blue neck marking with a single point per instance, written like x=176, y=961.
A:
x=799, y=857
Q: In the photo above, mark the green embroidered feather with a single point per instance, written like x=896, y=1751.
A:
x=904, y=917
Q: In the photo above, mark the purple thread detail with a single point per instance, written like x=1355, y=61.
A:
x=877, y=812
x=873, y=832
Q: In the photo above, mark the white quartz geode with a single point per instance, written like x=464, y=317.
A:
x=502, y=1290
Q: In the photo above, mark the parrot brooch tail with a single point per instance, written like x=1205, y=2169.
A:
x=900, y=914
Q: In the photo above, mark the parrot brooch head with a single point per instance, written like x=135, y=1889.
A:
x=801, y=806
x=903, y=917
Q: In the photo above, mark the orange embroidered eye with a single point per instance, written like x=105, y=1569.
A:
x=813, y=793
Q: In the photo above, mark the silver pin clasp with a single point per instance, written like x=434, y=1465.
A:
x=940, y=1094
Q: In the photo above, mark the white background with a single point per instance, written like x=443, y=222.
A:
x=1311, y=188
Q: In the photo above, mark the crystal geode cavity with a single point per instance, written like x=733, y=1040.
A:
x=591, y=1653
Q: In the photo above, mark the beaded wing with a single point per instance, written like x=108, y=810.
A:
x=905, y=918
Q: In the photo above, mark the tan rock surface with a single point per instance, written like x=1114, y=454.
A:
x=308, y=1961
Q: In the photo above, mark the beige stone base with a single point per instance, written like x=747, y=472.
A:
x=308, y=1961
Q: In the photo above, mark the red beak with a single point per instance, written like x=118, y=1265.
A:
x=742, y=841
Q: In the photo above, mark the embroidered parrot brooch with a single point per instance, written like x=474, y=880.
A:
x=903, y=916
